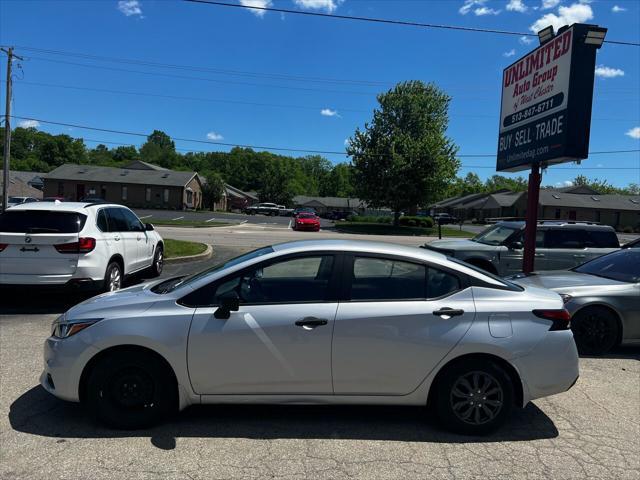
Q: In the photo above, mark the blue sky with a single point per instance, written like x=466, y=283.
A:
x=318, y=77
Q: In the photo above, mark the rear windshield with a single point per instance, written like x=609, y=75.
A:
x=41, y=221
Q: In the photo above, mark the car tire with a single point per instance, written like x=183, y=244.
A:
x=131, y=390
x=156, y=267
x=474, y=398
x=595, y=330
x=113, y=277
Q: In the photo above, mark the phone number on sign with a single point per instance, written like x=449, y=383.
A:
x=534, y=110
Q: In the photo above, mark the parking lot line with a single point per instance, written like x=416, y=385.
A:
x=210, y=220
x=146, y=216
x=178, y=218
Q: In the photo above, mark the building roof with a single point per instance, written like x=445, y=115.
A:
x=91, y=173
x=505, y=199
x=236, y=192
x=20, y=188
x=331, y=202
x=579, y=189
x=26, y=177
x=597, y=202
x=140, y=165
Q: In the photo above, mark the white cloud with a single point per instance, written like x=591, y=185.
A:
x=485, y=11
x=29, y=124
x=548, y=4
x=214, y=136
x=327, y=112
x=565, y=183
x=634, y=133
x=608, y=72
x=510, y=53
x=574, y=13
x=526, y=40
x=346, y=142
x=469, y=4
x=130, y=7
x=617, y=9
x=327, y=5
x=516, y=6
x=256, y=3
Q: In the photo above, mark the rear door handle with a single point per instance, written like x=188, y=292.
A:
x=117, y=239
x=579, y=256
x=539, y=254
x=448, y=312
x=309, y=323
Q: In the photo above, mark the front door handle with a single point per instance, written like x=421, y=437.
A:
x=309, y=323
x=539, y=254
x=117, y=239
x=579, y=256
x=448, y=312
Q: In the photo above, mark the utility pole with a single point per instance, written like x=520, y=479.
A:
x=7, y=130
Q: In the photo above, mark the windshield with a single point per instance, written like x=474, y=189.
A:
x=306, y=215
x=495, y=235
x=623, y=266
x=172, y=284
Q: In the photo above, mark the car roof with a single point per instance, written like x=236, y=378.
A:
x=60, y=206
x=569, y=224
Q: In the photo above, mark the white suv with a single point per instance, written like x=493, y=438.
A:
x=81, y=244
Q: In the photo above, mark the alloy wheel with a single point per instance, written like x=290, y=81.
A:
x=476, y=398
x=115, y=279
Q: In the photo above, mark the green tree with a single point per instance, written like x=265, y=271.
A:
x=403, y=158
x=276, y=186
x=338, y=182
x=212, y=189
x=499, y=182
x=159, y=149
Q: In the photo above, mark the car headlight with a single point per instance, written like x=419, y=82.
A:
x=64, y=328
x=566, y=298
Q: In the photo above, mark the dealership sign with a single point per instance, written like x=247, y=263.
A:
x=545, y=115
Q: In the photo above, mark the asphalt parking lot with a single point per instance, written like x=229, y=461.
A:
x=592, y=431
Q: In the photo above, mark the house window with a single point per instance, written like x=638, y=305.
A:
x=189, y=197
x=60, y=189
x=557, y=213
x=597, y=215
x=166, y=195
x=124, y=192
x=147, y=194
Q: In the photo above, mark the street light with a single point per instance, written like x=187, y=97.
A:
x=546, y=34
x=595, y=36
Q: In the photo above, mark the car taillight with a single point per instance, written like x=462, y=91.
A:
x=83, y=245
x=561, y=318
x=3, y=246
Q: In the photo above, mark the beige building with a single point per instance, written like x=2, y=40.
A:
x=138, y=185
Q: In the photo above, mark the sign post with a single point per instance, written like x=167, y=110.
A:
x=545, y=115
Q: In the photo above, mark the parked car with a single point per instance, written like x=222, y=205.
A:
x=93, y=200
x=13, y=201
x=283, y=211
x=76, y=244
x=306, y=221
x=444, y=219
x=559, y=245
x=54, y=199
x=341, y=215
x=325, y=322
x=263, y=209
x=603, y=297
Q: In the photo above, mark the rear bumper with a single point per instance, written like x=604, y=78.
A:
x=83, y=277
x=551, y=367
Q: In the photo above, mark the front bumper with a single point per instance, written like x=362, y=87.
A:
x=64, y=361
x=304, y=226
x=551, y=367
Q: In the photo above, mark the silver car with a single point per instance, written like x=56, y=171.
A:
x=603, y=296
x=320, y=322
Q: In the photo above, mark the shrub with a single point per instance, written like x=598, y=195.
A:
x=627, y=229
x=428, y=222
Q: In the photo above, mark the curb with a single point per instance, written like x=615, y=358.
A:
x=206, y=255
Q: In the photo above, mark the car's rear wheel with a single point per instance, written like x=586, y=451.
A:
x=158, y=262
x=113, y=277
x=595, y=330
x=130, y=390
x=474, y=398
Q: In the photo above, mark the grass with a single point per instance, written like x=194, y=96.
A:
x=187, y=223
x=180, y=248
x=387, y=229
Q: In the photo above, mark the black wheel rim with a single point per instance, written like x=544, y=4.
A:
x=131, y=389
x=592, y=332
x=476, y=398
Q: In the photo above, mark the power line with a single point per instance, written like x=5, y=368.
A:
x=383, y=20
x=284, y=149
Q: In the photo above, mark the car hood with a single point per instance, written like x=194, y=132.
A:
x=458, y=244
x=561, y=280
x=307, y=220
x=126, y=302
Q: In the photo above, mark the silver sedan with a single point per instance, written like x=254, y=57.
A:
x=603, y=296
x=319, y=322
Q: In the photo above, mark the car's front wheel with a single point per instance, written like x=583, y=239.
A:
x=130, y=390
x=595, y=330
x=474, y=397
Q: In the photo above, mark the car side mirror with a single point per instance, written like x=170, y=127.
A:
x=228, y=302
x=516, y=246
x=148, y=227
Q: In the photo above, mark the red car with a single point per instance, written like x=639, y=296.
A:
x=306, y=221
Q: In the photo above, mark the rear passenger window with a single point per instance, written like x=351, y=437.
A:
x=101, y=221
x=602, y=239
x=117, y=222
x=565, y=238
x=386, y=279
x=440, y=283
